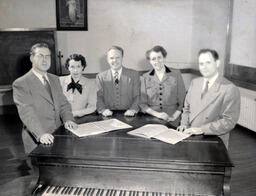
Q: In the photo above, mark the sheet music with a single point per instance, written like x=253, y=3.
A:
x=160, y=132
x=171, y=136
x=149, y=130
x=97, y=127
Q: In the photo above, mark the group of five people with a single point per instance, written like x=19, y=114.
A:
x=44, y=101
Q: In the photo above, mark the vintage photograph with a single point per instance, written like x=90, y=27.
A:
x=71, y=14
x=153, y=98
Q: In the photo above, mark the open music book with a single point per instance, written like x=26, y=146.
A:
x=160, y=132
x=97, y=127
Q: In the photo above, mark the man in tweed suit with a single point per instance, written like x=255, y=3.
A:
x=40, y=101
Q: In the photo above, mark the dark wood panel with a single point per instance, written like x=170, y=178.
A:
x=15, y=48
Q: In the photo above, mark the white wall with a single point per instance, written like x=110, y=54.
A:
x=181, y=26
x=243, y=47
x=210, y=19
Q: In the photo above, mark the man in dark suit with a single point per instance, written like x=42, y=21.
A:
x=212, y=104
x=40, y=101
x=118, y=87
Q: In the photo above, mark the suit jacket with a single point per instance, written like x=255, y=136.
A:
x=163, y=96
x=38, y=111
x=128, y=95
x=217, y=113
x=84, y=101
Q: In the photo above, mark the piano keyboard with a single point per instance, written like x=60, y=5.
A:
x=77, y=191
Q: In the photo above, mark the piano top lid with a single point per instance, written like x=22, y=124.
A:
x=195, y=150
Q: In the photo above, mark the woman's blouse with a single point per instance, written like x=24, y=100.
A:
x=166, y=95
x=86, y=100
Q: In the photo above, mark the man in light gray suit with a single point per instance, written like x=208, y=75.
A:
x=41, y=104
x=118, y=87
x=212, y=104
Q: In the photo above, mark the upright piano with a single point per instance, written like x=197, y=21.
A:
x=118, y=164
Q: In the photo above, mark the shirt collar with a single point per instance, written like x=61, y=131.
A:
x=40, y=76
x=211, y=80
x=167, y=70
x=119, y=72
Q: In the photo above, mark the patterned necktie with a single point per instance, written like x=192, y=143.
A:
x=205, y=90
x=116, y=78
x=47, y=86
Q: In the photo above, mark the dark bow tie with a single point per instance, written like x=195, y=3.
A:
x=75, y=85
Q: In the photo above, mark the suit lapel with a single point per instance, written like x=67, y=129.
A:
x=39, y=87
x=53, y=90
x=209, y=97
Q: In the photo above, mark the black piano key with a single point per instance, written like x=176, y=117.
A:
x=93, y=190
x=102, y=191
x=54, y=189
x=79, y=192
x=58, y=190
x=46, y=190
x=146, y=193
x=108, y=191
x=63, y=190
x=114, y=193
x=85, y=191
x=89, y=192
x=70, y=190
x=67, y=190
x=98, y=192
x=111, y=192
x=124, y=193
x=76, y=191
x=137, y=193
x=130, y=193
x=49, y=189
x=143, y=193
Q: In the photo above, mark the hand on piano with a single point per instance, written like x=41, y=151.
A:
x=162, y=115
x=46, y=138
x=107, y=112
x=70, y=125
x=130, y=113
x=193, y=131
x=182, y=128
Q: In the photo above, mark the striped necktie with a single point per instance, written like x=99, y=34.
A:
x=116, y=81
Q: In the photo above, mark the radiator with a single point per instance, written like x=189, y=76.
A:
x=248, y=113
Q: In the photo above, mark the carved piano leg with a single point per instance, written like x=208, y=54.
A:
x=226, y=184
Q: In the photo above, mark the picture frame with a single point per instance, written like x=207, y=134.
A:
x=71, y=15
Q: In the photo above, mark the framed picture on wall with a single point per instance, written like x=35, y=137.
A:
x=71, y=15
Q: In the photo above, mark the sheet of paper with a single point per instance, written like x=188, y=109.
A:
x=149, y=130
x=97, y=127
x=171, y=136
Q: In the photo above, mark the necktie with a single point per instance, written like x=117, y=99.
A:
x=75, y=85
x=116, y=78
x=205, y=90
x=47, y=86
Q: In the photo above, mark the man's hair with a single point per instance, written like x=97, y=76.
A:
x=156, y=49
x=117, y=48
x=214, y=53
x=38, y=45
x=76, y=57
